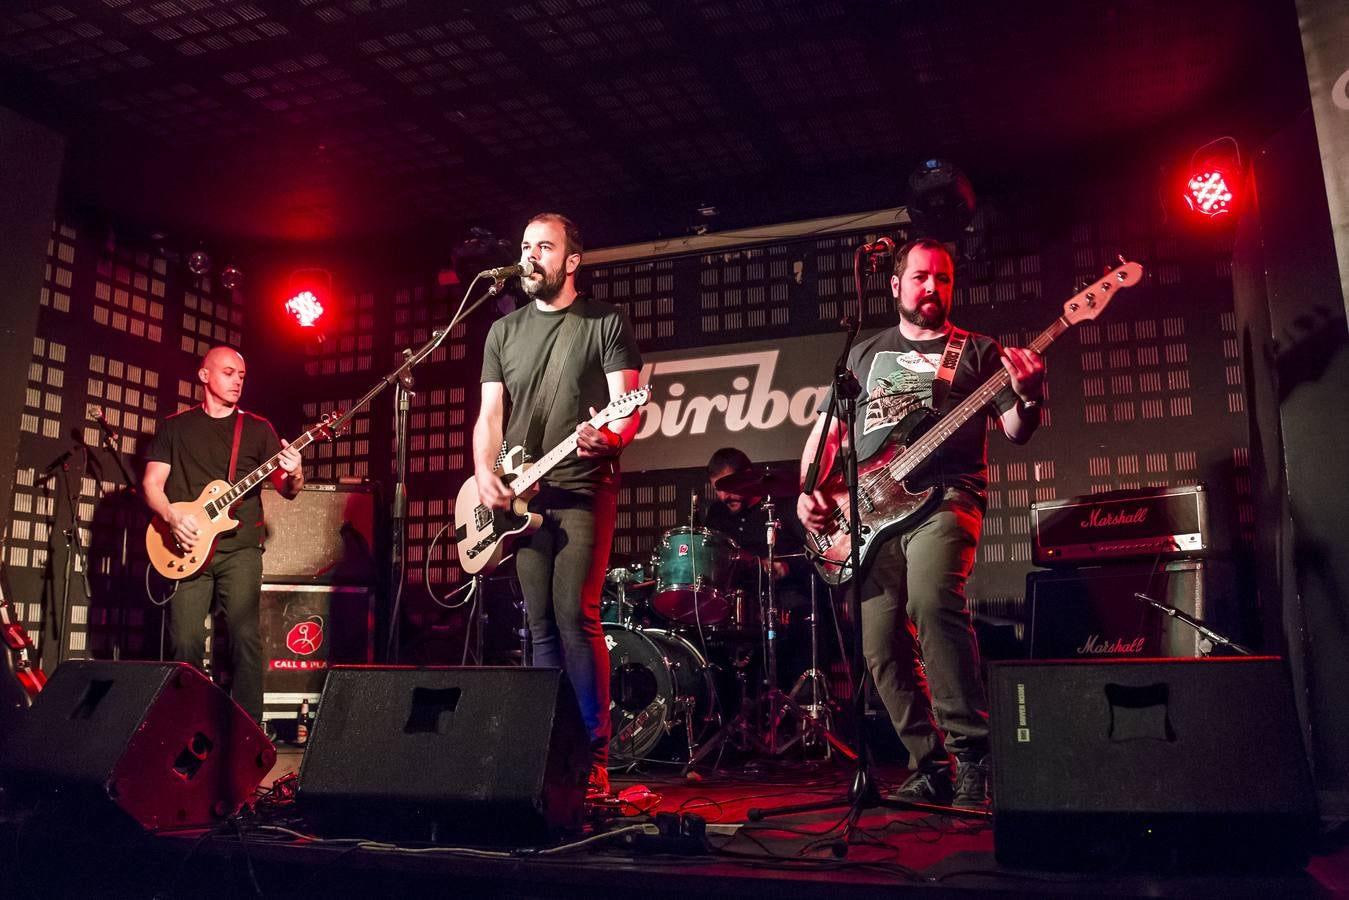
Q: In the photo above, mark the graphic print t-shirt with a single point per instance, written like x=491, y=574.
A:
x=897, y=377
x=519, y=345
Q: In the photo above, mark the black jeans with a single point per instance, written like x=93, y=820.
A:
x=561, y=569
x=916, y=630
x=231, y=584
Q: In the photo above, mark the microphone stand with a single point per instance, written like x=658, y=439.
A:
x=862, y=794
x=109, y=441
x=401, y=379
x=1197, y=624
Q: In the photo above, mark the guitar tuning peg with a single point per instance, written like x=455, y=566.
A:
x=1122, y=260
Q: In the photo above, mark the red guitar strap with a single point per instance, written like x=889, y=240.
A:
x=234, y=450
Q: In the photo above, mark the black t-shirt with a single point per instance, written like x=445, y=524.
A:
x=197, y=449
x=518, y=346
x=897, y=375
x=748, y=528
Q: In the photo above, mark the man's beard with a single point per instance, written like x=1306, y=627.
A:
x=916, y=316
x=547, y=287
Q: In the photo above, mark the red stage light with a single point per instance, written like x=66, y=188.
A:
x=1208, y=192
x=305, y=308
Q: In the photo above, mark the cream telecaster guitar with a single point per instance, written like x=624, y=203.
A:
x=482, y=534
x=213, y=507
x=885, y=504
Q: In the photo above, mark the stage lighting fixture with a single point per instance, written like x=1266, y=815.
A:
x=199, y=262
x=941, y=200
x=231, y=277
x=308, y=296
x=1212, y=181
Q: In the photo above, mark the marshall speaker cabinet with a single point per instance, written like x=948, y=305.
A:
x=1093, y=613
x=1145, y=765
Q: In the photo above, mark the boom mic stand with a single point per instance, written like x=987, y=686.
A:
x=862, y=794
x=1215, y=637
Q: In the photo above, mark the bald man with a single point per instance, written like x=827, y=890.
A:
x=190, y=450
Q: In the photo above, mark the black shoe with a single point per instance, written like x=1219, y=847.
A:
x=932, y=788
x=972, y=783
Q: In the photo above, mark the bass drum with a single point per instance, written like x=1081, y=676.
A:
x=660, y=694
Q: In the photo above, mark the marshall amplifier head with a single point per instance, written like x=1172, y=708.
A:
x=1166, y=522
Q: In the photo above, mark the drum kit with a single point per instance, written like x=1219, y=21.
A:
x=682, y=633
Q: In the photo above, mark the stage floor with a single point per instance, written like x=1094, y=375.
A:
x=892, y=852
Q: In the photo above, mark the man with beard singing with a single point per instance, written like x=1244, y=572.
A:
x=916, y=627
x=561, y=566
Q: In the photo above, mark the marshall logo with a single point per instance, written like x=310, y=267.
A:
x=1094, y=646
x=1099, y=518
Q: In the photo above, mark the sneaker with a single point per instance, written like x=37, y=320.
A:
x=931, y=788
x=972, y=783
x=598, y=787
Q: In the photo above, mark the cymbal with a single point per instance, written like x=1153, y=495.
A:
x=759, y=481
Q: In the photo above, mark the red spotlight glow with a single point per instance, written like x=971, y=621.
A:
x=305, y=308
x=1207, y=192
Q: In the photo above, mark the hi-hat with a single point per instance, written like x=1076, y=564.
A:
x=758, y=481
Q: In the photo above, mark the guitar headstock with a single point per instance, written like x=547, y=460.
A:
x=1092, y=300
x=622, y=407
x=330, y=426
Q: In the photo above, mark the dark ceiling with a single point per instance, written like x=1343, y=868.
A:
x=325, y=120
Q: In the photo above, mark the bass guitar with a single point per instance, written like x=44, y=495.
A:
x=885, y=504
x=482, y=534
x=213, y=508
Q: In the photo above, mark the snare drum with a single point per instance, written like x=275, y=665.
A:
x=694, y=570
x=660, y=694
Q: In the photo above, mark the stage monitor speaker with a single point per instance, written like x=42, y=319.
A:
x=156, y=742
x=326, y=535
x=1092, y=613
x=479, y=755
x=1149, y=765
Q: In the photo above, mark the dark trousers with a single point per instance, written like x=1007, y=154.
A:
x=561, y=569
x=918, y=637
x=231, y=584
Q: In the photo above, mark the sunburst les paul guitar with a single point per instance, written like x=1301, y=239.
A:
x=214, y=506
x=885, y=504
x=483, y=535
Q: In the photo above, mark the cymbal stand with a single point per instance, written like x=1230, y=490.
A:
x=820, y=720
x=780, y=705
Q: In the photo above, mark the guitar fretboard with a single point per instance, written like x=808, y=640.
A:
x=252, y=479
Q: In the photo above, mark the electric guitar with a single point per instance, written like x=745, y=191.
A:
x=25, y=679
x=482, y=534
x=885, y=504
x=213, y=508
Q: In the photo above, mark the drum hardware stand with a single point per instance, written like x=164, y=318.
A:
x=781, y=705
x=818, y=721
x=862, y=794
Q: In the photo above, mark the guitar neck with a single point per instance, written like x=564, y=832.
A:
x=249, y=481
x=947, y=425
x=541, y=468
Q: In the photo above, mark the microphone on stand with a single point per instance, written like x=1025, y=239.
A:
x=524, y=268
x=882, y=246
x=102, y=421
x=693, y=509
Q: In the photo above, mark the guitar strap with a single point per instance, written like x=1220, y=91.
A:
x=234, y=450
x=547, y=392
x=950, y=360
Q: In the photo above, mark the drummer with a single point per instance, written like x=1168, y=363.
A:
x=739, y=513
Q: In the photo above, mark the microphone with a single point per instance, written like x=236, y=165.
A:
x=524, y=268
x=102, y=421
x=883, y=245
x=693, y=508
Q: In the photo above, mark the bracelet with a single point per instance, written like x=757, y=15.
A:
x=1028, y=404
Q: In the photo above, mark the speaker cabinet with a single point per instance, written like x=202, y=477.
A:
x=480, y=755
x=1092, y=613
x=156, y=742
x=326, y=535
x=1153, y=765
x=306, y=628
